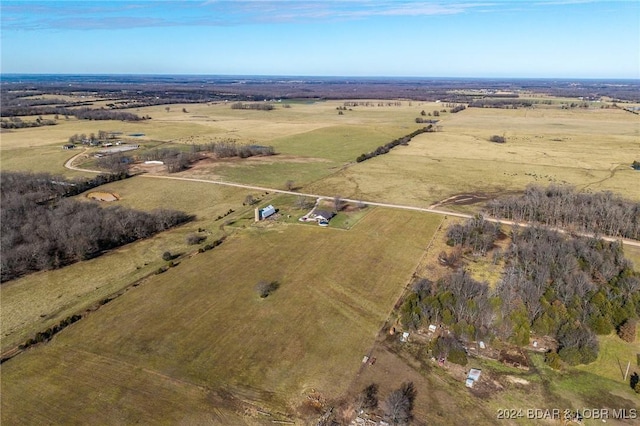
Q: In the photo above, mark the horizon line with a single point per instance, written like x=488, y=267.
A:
x=123, y=74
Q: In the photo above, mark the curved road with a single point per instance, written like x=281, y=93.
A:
x=69, y=164
x=625, y=241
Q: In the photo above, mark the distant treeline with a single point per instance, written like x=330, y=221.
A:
x=41, y=229
x=554, y=285
x=17, y=123
x=383, y=149
x=564, y=207
x=83, y=113
x=500, y=103
x=255, y=106
x=151, y=90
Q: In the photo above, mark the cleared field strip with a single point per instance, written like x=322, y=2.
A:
x=389, y=205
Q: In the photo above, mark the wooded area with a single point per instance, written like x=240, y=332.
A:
x=565, y=207
x=41, y=229
x=569, y=288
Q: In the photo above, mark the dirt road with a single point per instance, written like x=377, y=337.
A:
x=69, y=165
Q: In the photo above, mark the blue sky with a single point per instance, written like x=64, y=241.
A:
x=457, y=38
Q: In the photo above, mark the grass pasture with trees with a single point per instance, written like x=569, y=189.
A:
x=273, y=323
x=201, y=329
x=590, y=149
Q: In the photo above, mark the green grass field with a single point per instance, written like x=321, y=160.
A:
x=202, y=323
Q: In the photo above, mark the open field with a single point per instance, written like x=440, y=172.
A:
x=590, y=149
x=203, y=323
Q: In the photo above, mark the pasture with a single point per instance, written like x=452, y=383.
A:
x=201, y=327
x=196, y=344
x=590, y=149
x=37, y=301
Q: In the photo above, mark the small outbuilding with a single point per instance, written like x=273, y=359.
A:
x=472, y=377
x=265, y=212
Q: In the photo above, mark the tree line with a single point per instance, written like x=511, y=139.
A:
x=177, y=160
x=383, y=149
x=17, y=123
x=569, y=288
x=83, y=113
x=500, y=103
x=43, y=229
x=565, y=207
x=254, y=106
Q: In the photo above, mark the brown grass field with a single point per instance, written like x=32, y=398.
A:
x=201, y=325
x=37, y=301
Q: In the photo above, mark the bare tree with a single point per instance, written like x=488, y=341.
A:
x=338, y=203
x=249, y=200
x=265, y=288
x=290, y=185
x=368, y=398
x=398, y=406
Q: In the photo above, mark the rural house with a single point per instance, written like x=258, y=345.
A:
x=323, y=215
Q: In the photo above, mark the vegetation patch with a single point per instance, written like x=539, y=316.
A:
x=565, y=207
x=42, y=230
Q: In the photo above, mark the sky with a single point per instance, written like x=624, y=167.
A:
x=402, y=38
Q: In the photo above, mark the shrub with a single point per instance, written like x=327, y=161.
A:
x=166, y=256
x=498, y=139
x=457, y=356
x=627, y=330
x=369, y=397
x=193, y=239
x=265, y=288
x=552, y=359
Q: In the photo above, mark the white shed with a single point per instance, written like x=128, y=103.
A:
x=267, y=211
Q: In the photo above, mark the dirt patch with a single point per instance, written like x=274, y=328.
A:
x=467, y=199
x=464, y=200
x=103, y=196
x=517, y=380
x=514, y=357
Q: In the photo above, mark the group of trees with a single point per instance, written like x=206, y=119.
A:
x=568, y=288
x=397, y=407
x=41, y=229
x=477, y=234
x=371, y=104
x=564, y=207
x=501, y=103
x=227, y=148
x=255, y=106
x=177, y=160
x=18, y=123
x=82, y=113
x=383, y=149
